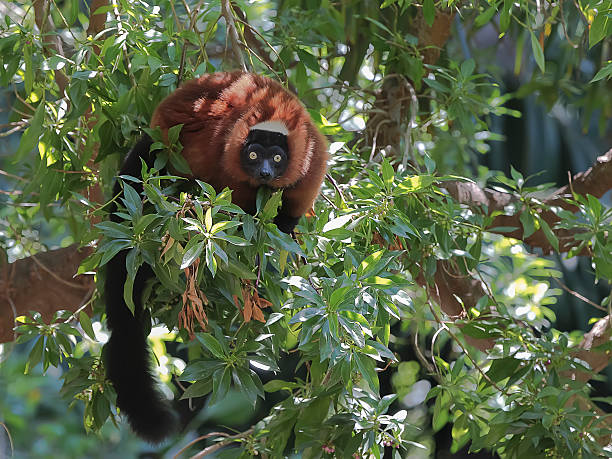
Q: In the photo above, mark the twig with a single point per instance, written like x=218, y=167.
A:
x=202, y=437
x=8, y=434
x=564, y=26
x=250, y=36
x=414, y=109
x=56, y=277
x=87, y=299
x=226, y=12
x=335, y=185
x=12, y=130
x=193, y=15
x=329, y=201
x=430, y=368
x=578, y=295
x=376, y=137
x=16, y=177
x=465, y=351
x=14, y=309
x=222, y=444
x=124, y=50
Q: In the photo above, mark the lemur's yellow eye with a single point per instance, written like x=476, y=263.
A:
x=253, y=155
x=277, y=158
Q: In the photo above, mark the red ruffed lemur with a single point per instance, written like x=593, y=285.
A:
x=241, y=131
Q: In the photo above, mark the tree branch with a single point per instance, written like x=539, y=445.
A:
x=596, y=181
x=44, y=283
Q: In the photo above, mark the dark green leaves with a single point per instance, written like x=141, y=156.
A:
x=30, y=137
x=538, y=52
x=429, y=12
x=601, y=26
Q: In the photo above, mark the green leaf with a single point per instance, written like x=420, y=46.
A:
x=517, y=176
x=167, y=79
x=284, y=241
x=193, y=249
x=387, y=3
x=101, y=409
x=528, y=223
x=143, y=223
x=270, y=209
x=85, y=322
x=31, y=135
x=200, y=369
x=486, y=16
x=115, y=230
x=198, y=389
x=109, y=250
x=234, y=240
x=173, y=133
x=309, y=60
x=467, y=68
x=250, y=383
x=372, y=265
x=604, y=72
x=133, y=260
x=368, y=370
x=28, y=77
x=550, y=236
x=415, y=183
x=179, y=163
x=221, y=384
x=211, y=343
x=223, y=226
x=601, y=24
x=502, y=368
x=440, y=413
x=457, y=367
x=385, y=403
x=208, y=219
x=337, y=222
x=35, y=354
x=211, y=261
x=429, y=12
x=388, y=174
x=277, y=384
x=132, y=201
x=505, y=16
x=538, y=52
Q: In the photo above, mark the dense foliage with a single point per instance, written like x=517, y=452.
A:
x=321, y=324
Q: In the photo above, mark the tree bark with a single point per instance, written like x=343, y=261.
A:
x=45, y=283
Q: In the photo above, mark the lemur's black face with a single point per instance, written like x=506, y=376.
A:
x=264, y=155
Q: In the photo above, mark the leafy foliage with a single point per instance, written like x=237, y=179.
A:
x=362, y=278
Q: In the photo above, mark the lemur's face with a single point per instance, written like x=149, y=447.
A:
x=265, y=154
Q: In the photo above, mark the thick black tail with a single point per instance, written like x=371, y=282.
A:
x=128, y=359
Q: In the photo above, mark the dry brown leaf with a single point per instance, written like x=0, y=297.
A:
x=194, y=302
x=248, y=307
x=168, y=245
x=258, y=315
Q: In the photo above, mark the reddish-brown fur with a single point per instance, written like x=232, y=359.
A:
x=217, y=111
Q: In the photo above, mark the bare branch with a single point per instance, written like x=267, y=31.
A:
x=222, y=444
x=228, y=15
